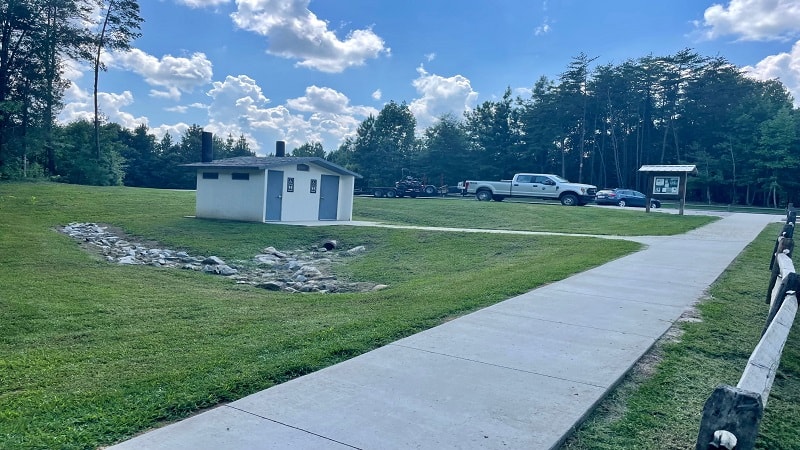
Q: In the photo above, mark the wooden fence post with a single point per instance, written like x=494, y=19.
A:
x=787, y=287
x=732, y=415
x=734, y=410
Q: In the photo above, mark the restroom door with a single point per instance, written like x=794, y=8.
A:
x=329, y=197
x=274, y=195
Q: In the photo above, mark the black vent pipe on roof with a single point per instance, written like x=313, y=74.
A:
x=207, y=147
x=280, y=149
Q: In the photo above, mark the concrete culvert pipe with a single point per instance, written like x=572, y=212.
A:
x=329, y=245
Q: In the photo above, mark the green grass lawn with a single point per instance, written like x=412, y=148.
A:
x=660, y=407
x=470, y=213
x=698, y=206
x=93, y=352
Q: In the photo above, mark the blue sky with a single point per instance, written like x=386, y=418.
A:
x=312, y=70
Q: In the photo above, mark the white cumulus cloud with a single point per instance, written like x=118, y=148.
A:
x=783, y=66
x=79, y=102
x=236, y=97
x=440, y=95
x=753, y=20
x=319, y=99
x=73, y=72
x=323, y=100
x=329, y=115
x=80, y=107
x=295, y=32
x=174, y=75
x=322, y=114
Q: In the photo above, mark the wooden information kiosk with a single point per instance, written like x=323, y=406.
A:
x=667, y=182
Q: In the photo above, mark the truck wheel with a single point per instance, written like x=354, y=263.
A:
x=391, y=193
x=483, y=196
x=569, y=200
x=377, y=193
x=430, y=190
x=498, y=198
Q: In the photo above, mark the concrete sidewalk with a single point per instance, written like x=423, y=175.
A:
x=520, y=374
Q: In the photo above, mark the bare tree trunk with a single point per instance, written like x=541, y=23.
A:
x=640, y=135
x=614, y=144
x=583, y=138
x=603, y=167
x=747, y=200
x=593, y=161
x=615, y=147
x=733, y=163
x=26, y=107
x=50, y=73
x=623, y=180
x=664, y=141
x=96, y=77
x=775, y=196
x=677, y=147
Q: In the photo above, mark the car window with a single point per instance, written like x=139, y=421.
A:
x=524, y=178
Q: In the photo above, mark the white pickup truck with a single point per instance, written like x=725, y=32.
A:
x=533, y=185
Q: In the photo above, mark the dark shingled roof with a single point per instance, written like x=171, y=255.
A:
x=265, y=162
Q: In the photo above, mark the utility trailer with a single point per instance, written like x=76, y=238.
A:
x=402, y=189
x=408, y=187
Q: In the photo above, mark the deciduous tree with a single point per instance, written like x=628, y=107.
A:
x=119, y=27
x=309, y=149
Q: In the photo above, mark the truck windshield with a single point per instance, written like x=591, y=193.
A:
x=559, y=179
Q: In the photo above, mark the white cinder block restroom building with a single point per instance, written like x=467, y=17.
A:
x=274, y=189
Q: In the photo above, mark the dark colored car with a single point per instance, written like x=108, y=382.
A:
x=624, y=197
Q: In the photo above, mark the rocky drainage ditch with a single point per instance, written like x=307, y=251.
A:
x=302, y=270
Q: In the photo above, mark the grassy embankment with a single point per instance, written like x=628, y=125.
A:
x=698, y=206
x=92, y=352
x=469, y=213
x=660, y=403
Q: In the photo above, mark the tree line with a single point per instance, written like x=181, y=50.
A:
x=599, y=126
x=593, y=123
x=37, y=39
x=133, y=157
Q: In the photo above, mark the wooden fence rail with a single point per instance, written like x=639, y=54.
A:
x=731, y=415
